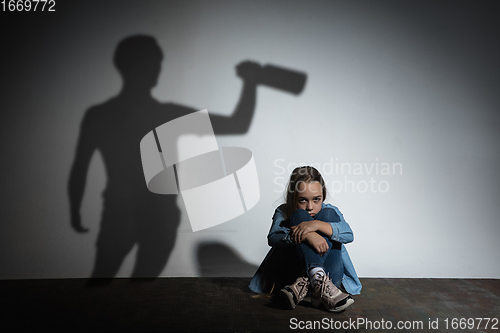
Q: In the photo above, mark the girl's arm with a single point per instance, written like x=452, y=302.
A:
x=299, y=232
x=279, y=235
x=341, y=231
x=335, y=227
x=317, y=242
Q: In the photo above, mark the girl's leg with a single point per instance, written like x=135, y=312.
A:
x=304, y=251
x=326, y=290
x=333, y=264
x=330, y=263
x=294, y=293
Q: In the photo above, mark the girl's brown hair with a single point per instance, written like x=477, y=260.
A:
x=304, y=174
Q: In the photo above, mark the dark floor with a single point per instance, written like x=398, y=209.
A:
x=224, y=305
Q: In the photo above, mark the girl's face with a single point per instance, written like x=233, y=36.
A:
x=310, y=197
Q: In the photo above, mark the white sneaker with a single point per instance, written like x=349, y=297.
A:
x=324, y=292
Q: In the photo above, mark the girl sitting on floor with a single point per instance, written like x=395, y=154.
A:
x=307, y=253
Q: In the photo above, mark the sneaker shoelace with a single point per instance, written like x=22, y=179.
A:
x=302, y=286
x=326, y=287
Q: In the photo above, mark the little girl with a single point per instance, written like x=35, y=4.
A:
x=308, y=254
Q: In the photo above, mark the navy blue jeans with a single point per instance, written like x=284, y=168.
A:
x=307, y=257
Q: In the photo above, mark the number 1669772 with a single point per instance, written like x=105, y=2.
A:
x=28, y=5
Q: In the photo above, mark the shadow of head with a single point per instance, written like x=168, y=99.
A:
x=220, y=260
x=138, y=59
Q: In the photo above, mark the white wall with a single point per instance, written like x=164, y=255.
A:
x=406, y=84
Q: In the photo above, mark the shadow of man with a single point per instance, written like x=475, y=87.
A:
x=132, y=215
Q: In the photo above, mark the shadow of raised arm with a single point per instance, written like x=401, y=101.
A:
x=239, y=122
